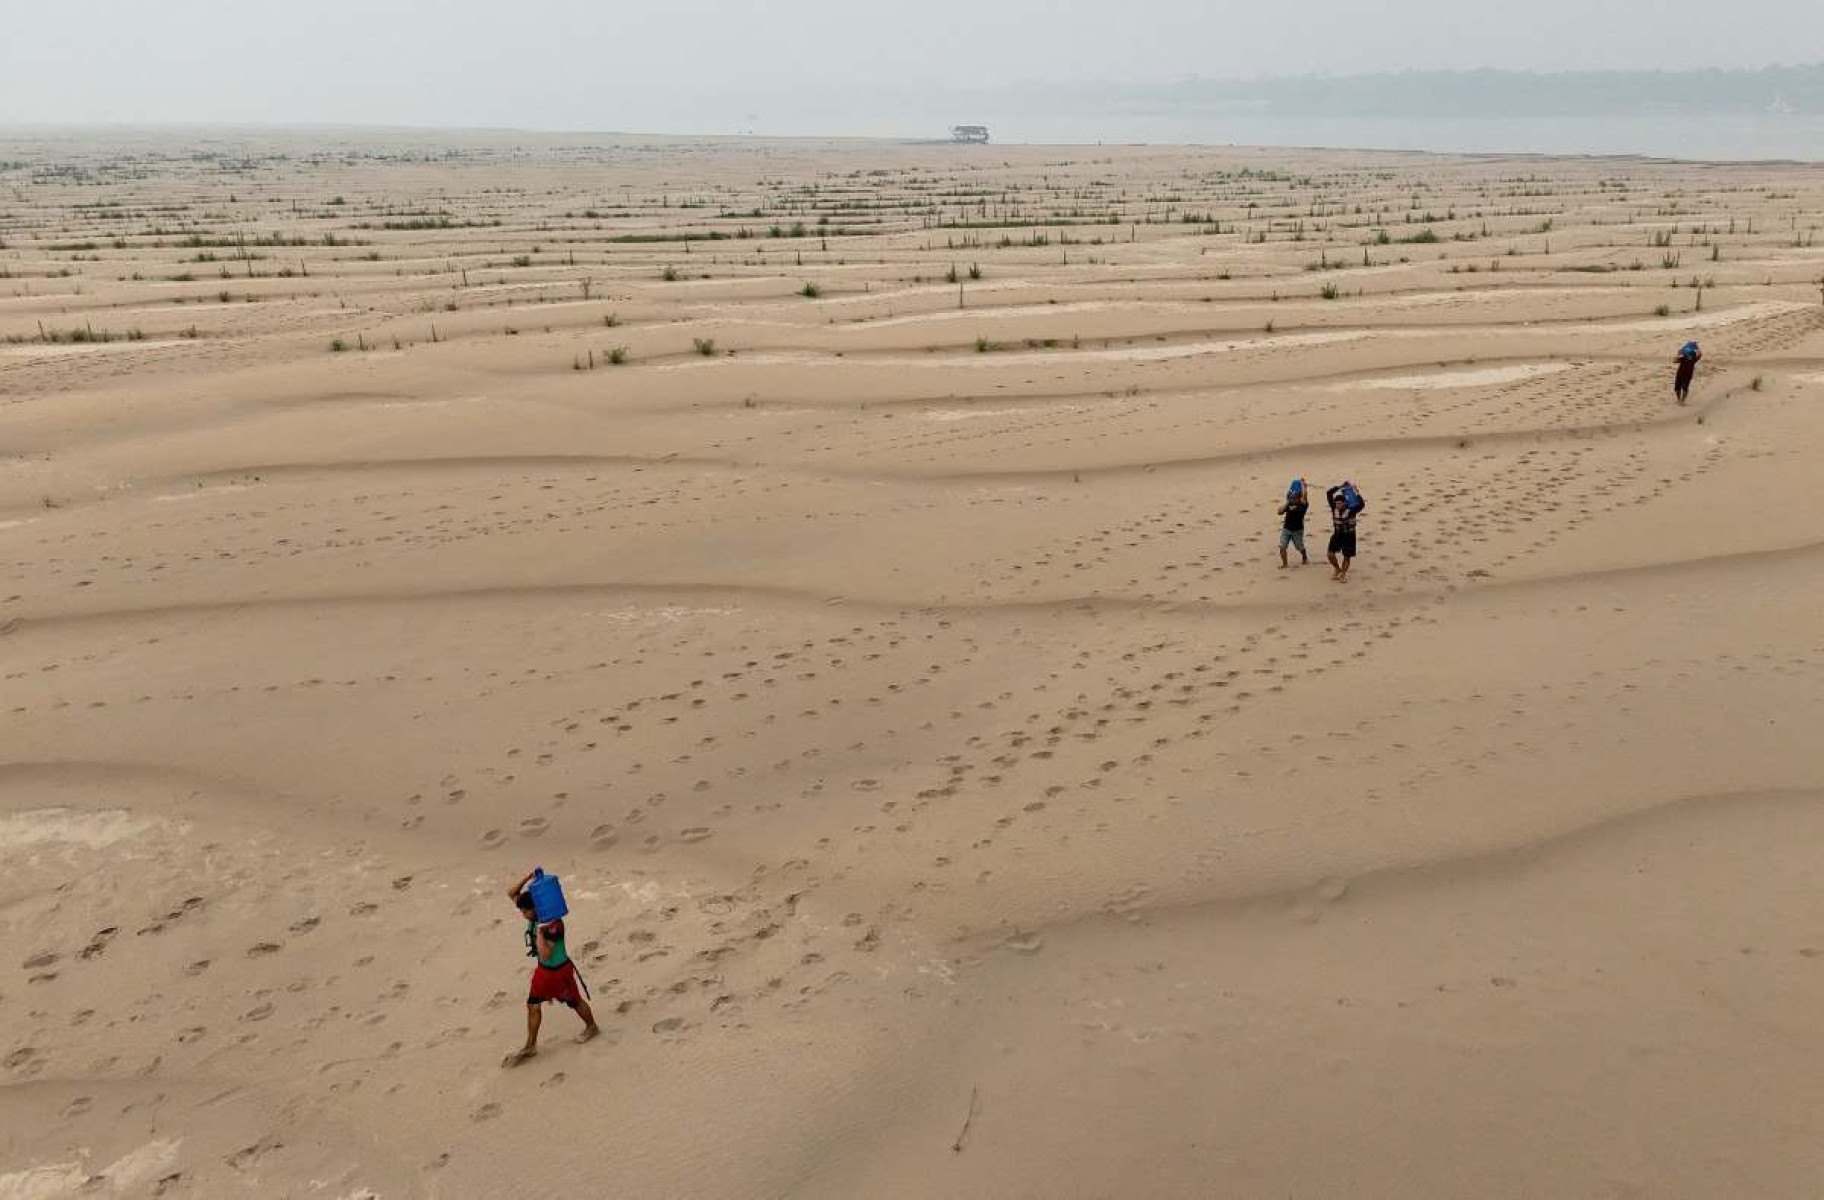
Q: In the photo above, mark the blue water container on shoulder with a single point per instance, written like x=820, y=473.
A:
x=547, y=897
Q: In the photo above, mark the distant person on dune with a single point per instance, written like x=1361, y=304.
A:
x=553, y=979
x=1688, y=356
x=1346, y=504
x=1292, y=529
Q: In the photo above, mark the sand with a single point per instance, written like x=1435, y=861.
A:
x=954, y=795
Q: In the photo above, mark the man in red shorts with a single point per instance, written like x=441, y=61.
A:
x=553, y=979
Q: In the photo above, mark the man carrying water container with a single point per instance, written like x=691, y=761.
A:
x=1688, y=357
x=555, y=977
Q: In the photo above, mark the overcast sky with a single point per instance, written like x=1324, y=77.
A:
x=610, y=64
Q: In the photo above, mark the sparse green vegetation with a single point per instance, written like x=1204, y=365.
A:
x=810, y=291
x=704, y=346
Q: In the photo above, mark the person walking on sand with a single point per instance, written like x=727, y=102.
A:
x=553, y=979
x=1292, y=529
x=1346, y=504
x=1688, y=356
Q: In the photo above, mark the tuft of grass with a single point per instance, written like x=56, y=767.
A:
x=1664, y=310
x=669, y=275
x=617, y=356
x=338, y=346
x=810, y=291
x=610, y=321
x=975, y=270
x=1757, y=383
x=981, y=345
x=1329, y=291
x=704, y=346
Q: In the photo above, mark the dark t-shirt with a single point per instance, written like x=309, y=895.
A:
x=1295, y=514
x=1341, y=519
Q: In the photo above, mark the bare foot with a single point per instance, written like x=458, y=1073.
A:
x=589, y=1034
x=523, y=1054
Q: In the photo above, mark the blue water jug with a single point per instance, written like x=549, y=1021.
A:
x=547, y=897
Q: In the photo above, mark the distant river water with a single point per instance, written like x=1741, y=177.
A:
x=1728, y=138
x=1732, y=138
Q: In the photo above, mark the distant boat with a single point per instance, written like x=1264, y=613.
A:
x=969, y=133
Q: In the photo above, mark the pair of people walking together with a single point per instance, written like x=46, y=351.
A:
x=1345, y=502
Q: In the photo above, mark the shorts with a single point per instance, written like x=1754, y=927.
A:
x=557, y=984
x=1342, y=543
x=1292, y=537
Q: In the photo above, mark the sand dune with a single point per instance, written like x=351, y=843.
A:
x=851, y=566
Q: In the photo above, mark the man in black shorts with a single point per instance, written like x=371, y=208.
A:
x=1344, y=508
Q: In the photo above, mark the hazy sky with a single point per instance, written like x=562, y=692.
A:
x=609, y=64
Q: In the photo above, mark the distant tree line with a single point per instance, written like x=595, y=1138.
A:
x=1489, y=93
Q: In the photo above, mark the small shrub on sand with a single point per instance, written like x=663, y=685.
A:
x=617, y=356
x=338, y=346
x=1330, y=291
x=1664, y=310
x=1757, y=383
x=810, y=291
x=704, y=346
x=669, y=275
